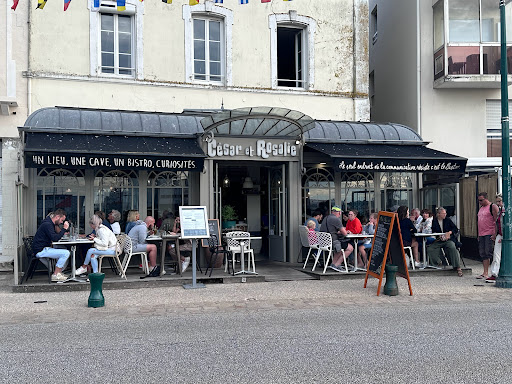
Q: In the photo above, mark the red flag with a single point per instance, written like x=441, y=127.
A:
x=15, y=5
x=266, y=1
x=66, y=4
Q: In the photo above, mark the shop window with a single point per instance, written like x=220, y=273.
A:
x=317, y=191
x=292, y=50
x=116, y=190
x=357, y=192
x=116, y=40
x=396, y=190
x=166, y=192
x=208, y=52
x=493, y=127
x=64, y=189
x=444, y=196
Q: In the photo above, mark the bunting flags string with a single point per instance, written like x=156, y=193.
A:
x=121, y=4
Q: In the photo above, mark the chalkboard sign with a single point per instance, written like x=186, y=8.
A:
x=213, y=226
x=387, y=240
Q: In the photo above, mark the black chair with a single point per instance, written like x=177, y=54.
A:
x=215, y=249
x=33, y=261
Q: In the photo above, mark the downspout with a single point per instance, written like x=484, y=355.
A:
x=29, y=69
x=418, y=66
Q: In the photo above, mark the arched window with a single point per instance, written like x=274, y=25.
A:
x=357, y=192
x=317, y=191
x=166, y=192
x=64, y=189
x=116, y=190
x=395, y=190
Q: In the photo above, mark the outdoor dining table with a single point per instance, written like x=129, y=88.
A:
x=69, y=243
x=357, y=237
x=165, y=239
x=242, y=240
x=424, y=239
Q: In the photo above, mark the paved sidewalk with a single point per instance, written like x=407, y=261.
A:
x=51, y=307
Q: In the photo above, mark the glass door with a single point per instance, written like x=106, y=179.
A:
x=277, y=213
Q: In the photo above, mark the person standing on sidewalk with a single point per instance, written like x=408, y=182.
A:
x=487, y=216
x=496, y=259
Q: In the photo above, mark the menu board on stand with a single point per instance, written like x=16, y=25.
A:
x=387, y=241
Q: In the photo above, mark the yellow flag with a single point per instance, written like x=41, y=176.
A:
x=193, y=2
x=41, y=4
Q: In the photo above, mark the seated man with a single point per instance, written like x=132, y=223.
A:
x=138, y=234
x=442, y=224
x=316, y=217
x=45, y=235
x=332, y=224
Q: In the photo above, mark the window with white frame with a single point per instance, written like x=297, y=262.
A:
x=208, y=47
x=292, y=50
x=117, y=44
x=116, y=39
x=291, y=57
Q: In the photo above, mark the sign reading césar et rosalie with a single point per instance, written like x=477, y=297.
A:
x=263, y=149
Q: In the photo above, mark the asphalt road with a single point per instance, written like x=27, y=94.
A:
x=439, y=341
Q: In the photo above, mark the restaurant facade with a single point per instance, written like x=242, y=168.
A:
x=274, y=166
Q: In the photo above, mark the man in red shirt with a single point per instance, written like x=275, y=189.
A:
x=353, y=225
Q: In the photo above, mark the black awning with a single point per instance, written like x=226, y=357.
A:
x=61, y=150
x=352, y=157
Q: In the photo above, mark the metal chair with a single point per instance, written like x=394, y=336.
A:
x=411, y=257
x=128, y=253
x=325, y=245
x=33, y=261
x=215, y=249
x=115, y=256
x=310, y=240
x=233, y=240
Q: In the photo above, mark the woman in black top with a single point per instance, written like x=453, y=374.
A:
x=407, y=229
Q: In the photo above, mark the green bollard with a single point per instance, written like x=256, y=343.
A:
x=391, y=288
x=96, y=298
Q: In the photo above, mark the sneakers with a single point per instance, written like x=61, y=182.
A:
x=81, y=271
x=56, y=277
x=490, y=279
x=337, y=268
x=184, y=264
x=417, y=264
x=155, y=271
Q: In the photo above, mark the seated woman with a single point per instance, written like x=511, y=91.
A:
x=133, y=216
x=104, y=244
x=364, y=245
x=407, y=228
x=426, y=225
x=113, y=218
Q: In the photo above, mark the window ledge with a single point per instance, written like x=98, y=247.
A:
x=470, y=81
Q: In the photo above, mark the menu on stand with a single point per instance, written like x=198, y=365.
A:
x=194, y=222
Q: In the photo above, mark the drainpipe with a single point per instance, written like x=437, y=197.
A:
x=418, y=66
x=29, y=69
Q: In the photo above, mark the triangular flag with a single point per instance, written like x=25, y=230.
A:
x=15, y=4
x=193, y=2
x=121, y=5
x=219, y=1
x=41, y=4
x=66, y=4
x=244, y=1
x=167, y=1
x=266, y=1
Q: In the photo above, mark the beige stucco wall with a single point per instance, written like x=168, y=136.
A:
x=144, y=97
x=60, y=41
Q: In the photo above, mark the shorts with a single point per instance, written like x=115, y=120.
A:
x=485, y=247
x=140, y=248
x=338, y=245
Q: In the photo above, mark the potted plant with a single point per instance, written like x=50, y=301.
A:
x=229, y=216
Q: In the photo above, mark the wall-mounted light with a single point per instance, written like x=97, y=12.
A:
x=323, y=163
x=226, y=183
